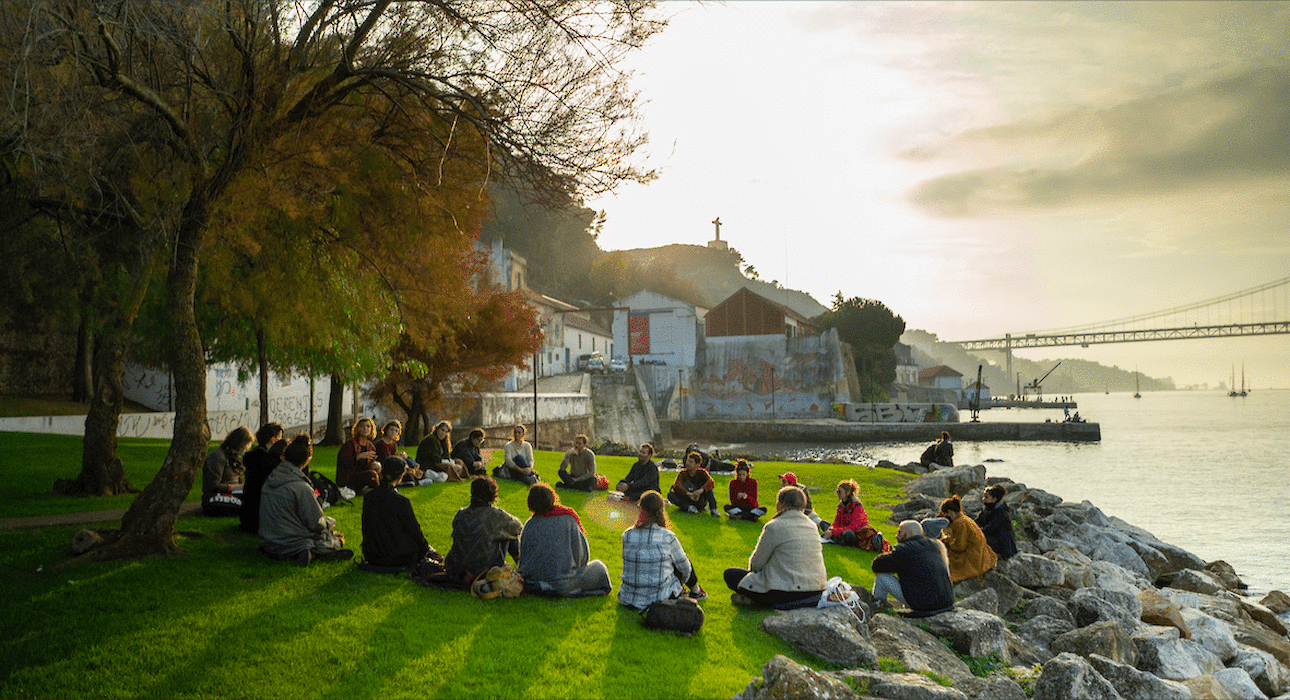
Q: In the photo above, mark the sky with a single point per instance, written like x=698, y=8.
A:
x=982, y=168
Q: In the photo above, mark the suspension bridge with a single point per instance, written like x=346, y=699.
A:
x=1259, y=310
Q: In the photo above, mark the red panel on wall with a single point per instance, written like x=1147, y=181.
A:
x=638, y=334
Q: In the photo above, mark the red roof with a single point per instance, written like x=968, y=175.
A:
x=938, y=371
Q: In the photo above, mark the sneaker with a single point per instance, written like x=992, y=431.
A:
x=697, y=593
x=826, y=540
x=735, y=512
x=691, y=509
x=714, y=512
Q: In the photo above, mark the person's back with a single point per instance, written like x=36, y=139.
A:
x=969, y=554
x=945, y=453
x=554, y=555
x=924, y=577
x=481, y=537
x=289, y=511
x=259, y=462
x=391, y=534
x=995, y=522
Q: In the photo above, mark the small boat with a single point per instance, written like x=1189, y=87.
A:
x=1137, y=386
x=1243, y=393
x=1233, y=384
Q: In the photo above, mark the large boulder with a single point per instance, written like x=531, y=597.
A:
x=948, y=482
x=1083, y=512
x=991, y=688
x=1090, y=605
x=1032, y=571
x=1207, y=687
x=1133, y=684
x=1226, y=575
x=1042, y=629
x=1277, y=602
x=1163, y=653
x=1256, y=635
x=915, y=507
x=1193, y=580
x=934, y=485
x=1271, y=676
x=919, y=650
x=1239, y=684
x=1123, y=555
x=1050, y=606
x=900, y=686
x=1038, y=500
x=972, y=632
x=1263, y=615
x=833, y=634
x=1007, y=591
x=985, y=600
x=1025, y=652
x=1070, y=677
x=1157, y=563
x=1106, y=638
x=785, y=679
x=1211, y=633
x=1159, y=610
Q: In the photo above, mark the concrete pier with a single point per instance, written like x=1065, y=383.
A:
x=831, y=430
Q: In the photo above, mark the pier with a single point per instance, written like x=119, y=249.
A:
x=831, y=430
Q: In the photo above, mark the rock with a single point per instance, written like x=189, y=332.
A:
x=1256, y=635
x=944, y=483
x=1008, y=592
x=1069, y=677
x=1113, y=577
x=1183, y=599
x=918, y=503
x=1238, y=684
x=1178, y=557
x=1076, y=577
x=964, y=479
x=1277, y=602
x=1121, y=554
x=1026, y=652
x=932, y=485
x=1133, y=684
x=785, y=679
x=991, y=688
x=1090, y=605
x=1207, y=688
x=833, y=634
x=1038, y=499
x=901, y=686
x=1160, y=610
x=1161, y=652
x=1226, y=575
x=1084, y=513
x=1058, y=526
x=1271, y=676
x=1211, y=633
x=985, y=600
x=1193, y=580
x=1264, y=616
x=1042, y=629
x=1050, y=606
x=972, y=632
x=1157, y=563
x=83, y=541
x=1106, y=638
x=1032, y=571
x=1068, y=554
x=1028, y=547
x=918, y=649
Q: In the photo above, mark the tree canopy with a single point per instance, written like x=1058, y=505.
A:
x=872, y=330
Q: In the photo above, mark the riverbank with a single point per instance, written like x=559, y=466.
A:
x=831, y=430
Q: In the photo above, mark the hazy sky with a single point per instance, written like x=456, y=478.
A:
x=982, y=168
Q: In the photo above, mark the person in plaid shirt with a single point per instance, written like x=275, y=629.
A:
x=655, y=566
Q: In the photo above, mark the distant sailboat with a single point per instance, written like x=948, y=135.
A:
x=1233, y=384
x=1137, y=386
x=1243, y=392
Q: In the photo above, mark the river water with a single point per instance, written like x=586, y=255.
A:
x=1199, y=469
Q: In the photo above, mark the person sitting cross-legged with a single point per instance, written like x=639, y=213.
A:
x=392, y=536
x=743, y=494
x=655, y=566
x=482, y=535
x=292, y=524
x=642, y=477
x=787, y=565
x=578, y=468
x=851, y=517
x=916, y=573
x=555, y=559
x=517, y=459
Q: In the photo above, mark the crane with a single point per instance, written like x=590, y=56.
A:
x=1035, y=385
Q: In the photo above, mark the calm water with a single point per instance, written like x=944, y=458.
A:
x=1198, y=469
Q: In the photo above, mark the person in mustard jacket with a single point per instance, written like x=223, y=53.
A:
x=970, y=556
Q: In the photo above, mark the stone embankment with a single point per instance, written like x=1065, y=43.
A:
x=1092, y=607
x=825, y=430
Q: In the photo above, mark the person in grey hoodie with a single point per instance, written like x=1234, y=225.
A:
x=554, y=557
x=292, y=524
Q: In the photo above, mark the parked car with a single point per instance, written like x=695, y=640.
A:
x=618, y=364
x=596, y=364
x=584, y=362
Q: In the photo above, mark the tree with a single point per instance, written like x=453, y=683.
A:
x=872, y=331
x=213, y=92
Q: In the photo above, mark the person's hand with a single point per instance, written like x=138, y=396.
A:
x=622, y=486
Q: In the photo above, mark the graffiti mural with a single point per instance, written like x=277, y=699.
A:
x=897, y=412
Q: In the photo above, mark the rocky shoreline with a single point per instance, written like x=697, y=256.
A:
x=1091, y=608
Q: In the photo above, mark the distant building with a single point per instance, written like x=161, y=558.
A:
x=970, y=392
x=941, y=377
x=658, y=329
x=748, y=313
x=906, y=370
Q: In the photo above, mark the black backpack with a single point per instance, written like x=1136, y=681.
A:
x=680, y=614
x=929, y=454
x=328, y=492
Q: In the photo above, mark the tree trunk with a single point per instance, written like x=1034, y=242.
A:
x=83, y=375
x=335, y=407
x=262, y=359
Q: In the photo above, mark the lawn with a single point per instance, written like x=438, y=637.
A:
x=227, y=622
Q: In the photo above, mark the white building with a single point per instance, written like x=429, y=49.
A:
x=658, y=329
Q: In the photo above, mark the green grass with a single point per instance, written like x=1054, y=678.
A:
x=227, y=622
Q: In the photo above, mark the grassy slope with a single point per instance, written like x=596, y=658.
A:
x=228, y=622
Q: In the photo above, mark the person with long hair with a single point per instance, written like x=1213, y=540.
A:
x=851, y=516
x=554, y=555
x=787, y=565
x=387, y=446
x=222, y=475
x=655, y=566
x=482, y=535
x=517, y=459
x=357, y=466
x=259, y=464
x=969, y=555
x=995, y=522
x=434, y=454
x=467, y=452
x=743, y=494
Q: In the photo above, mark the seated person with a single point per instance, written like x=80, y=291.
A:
x=517, y=459
x=642, y=477
x=995, y=522
x=655, y=566
x=578, y=468
x=357, y=466
x=790, y=479
x=434, y=454
x=851, y=516
x=222, y=475
x=482, y=535
x=916, y=573
x=292, y=524
x=554, y=556
x=787, y=565
x=259, y=462
x=388, y=446
x=743, y=494
x=693, y=489
x=467, y=452
x=969, y=555
x=391, y=534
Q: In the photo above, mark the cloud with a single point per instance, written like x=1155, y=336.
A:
x=1216, y=135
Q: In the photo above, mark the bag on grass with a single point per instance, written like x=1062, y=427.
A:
x=328, y=492
x=502, y=581
x=602, y=482
x=840, y=593
x=679, y=614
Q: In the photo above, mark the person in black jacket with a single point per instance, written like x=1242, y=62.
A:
x=468, y=452
x=391, y=534
x=259, y=463
x=996, y=522
x=915, y=573
x=642, y=477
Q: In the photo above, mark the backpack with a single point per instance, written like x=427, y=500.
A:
x=679, y=614
x=929, y=454
x=328, y=492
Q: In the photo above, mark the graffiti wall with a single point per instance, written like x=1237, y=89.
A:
x=764, y=376
x=896, y=412
x=225, y=392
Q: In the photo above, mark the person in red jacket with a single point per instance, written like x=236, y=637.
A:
x=357, y=465
x=743, y=494
x=851, y=516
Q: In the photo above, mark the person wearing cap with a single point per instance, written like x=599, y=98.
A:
x=743, y=494
x=790, y=479
x=787, y=565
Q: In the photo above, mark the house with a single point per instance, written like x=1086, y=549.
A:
x=970, y=392
x=658, y=329
x=748, y=313
x=941, y=377
x=906, y=370
x=567, y=333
